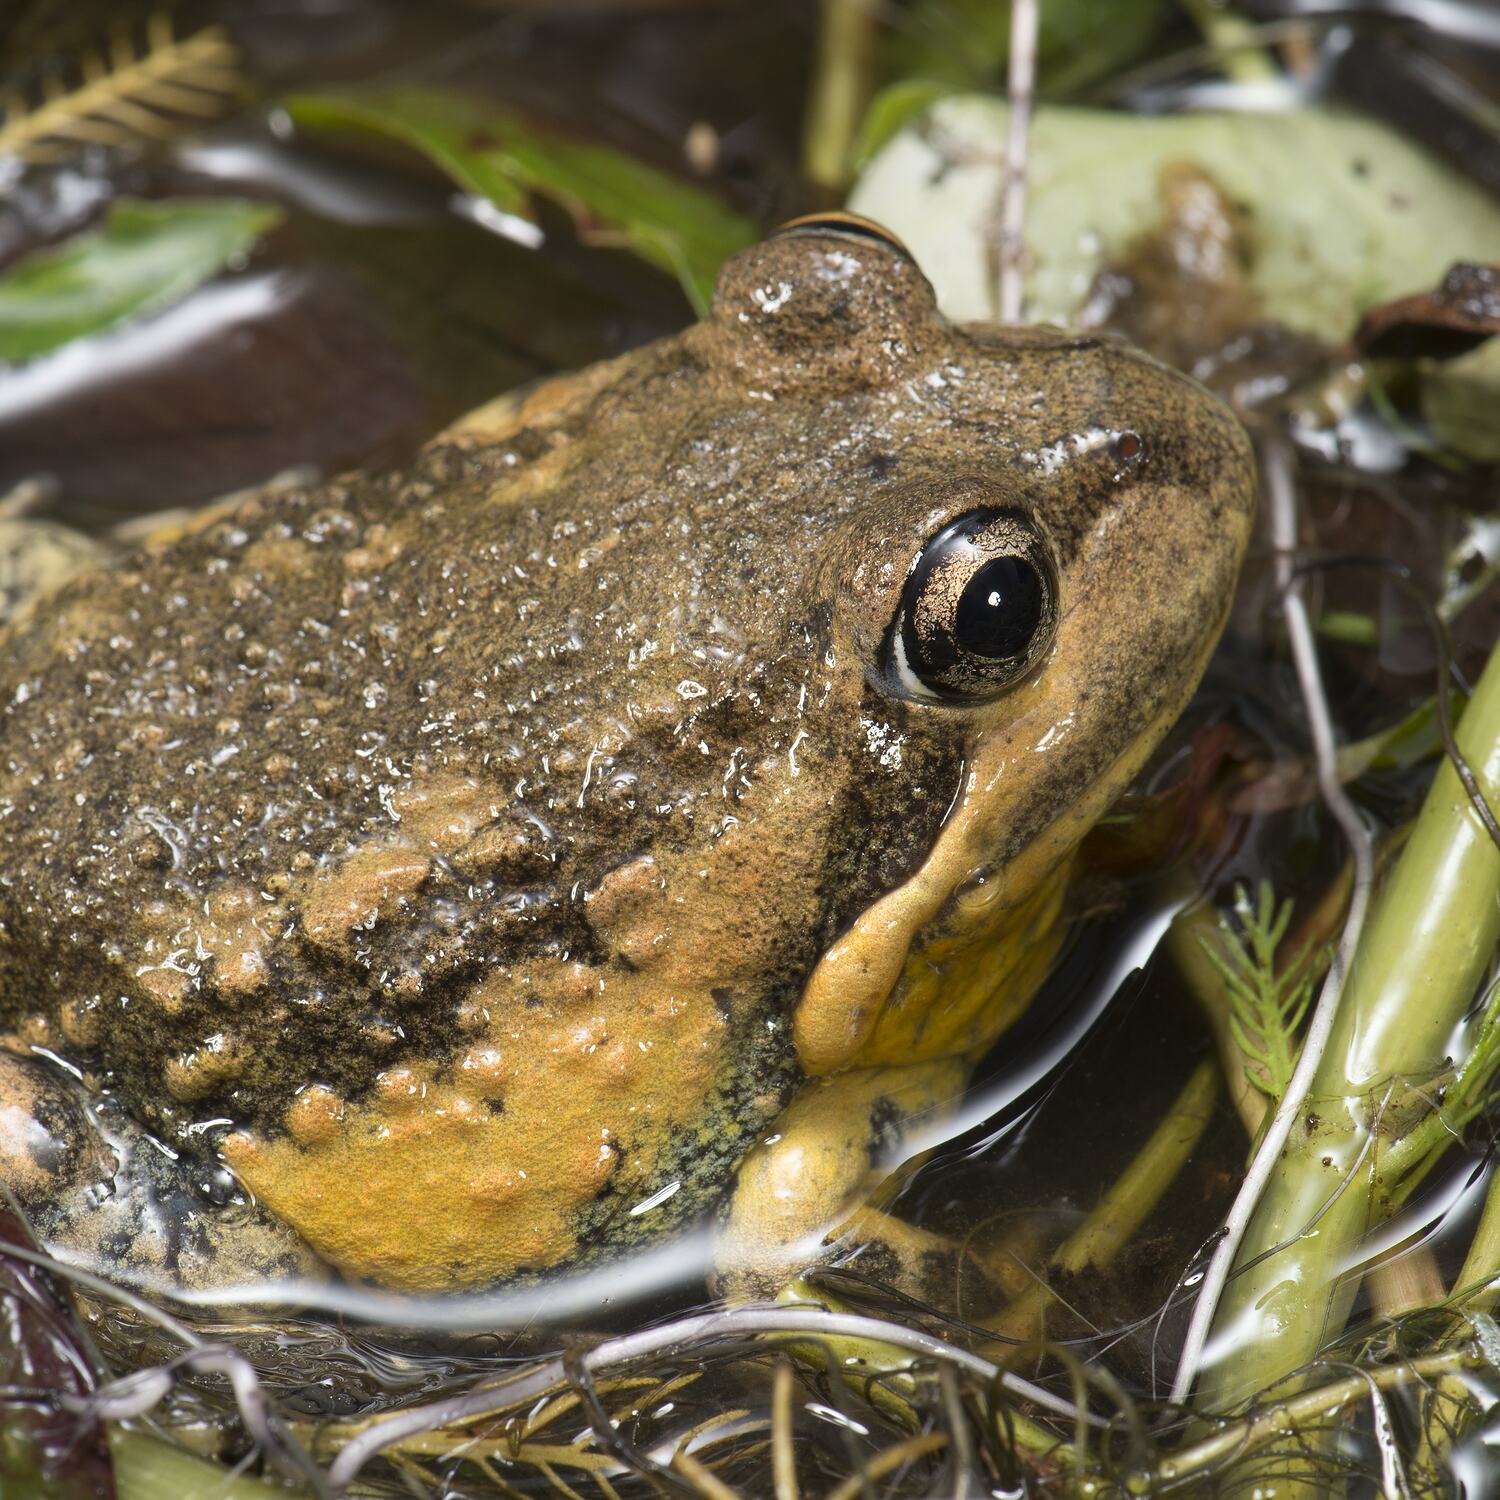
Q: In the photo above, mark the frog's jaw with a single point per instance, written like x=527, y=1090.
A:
x=945, y=963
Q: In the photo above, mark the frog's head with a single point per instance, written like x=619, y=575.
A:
x=1030, y=543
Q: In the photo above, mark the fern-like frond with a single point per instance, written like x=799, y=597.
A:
x=128, y=95
x=1267, y=1001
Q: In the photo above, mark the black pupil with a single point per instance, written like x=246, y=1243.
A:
x=1000, y=609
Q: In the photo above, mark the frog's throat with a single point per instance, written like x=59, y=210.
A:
x=945, y=963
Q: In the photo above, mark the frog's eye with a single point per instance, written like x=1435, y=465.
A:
x=977, y=611
x=845, y=227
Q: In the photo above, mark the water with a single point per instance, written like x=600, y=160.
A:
x=382, y=308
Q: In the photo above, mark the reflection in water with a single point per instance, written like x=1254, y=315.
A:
x=88, y=366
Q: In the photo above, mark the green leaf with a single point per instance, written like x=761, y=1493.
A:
x=892, y=110
x=146, y=255
x=494, y=153
x=1413, y=739
x=1339, y=209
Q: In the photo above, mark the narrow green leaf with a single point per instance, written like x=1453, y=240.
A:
x=892, y=110
x=494, y=153
x=146, y=255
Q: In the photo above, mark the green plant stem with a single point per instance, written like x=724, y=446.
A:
x=1475, y=1290
x=1190, y=929
x=1423, y=954
x=146, y=1468
x=1481, y=1267
x=843, y=78
x=1130, y=1199
x=1349, y=627
x=1279, y=1419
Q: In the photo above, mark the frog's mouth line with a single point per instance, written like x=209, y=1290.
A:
x=946, y=962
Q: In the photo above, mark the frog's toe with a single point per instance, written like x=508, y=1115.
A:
x=99, y=1193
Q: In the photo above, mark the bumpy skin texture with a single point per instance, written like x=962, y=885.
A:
x=451, y=851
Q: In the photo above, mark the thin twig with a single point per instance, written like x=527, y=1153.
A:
x=1273, y=1419
x=783, y=1459
x=1282, y=499
x=1020, y=87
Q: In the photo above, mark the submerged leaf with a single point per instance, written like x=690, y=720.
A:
x=497, y=155
x=144, y=256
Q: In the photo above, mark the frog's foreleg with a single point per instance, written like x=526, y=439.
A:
x=807, y=1185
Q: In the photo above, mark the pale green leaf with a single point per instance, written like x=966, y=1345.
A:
x=1342, y=211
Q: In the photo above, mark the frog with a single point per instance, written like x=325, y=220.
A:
x=642, y=809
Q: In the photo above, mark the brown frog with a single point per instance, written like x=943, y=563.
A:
x=659, y=795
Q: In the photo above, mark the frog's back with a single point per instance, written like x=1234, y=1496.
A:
x=334, y=753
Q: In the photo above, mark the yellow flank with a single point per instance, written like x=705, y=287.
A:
x=474, y=1171
x=473, y=1168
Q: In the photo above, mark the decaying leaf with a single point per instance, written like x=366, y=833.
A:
x=1458, y=316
